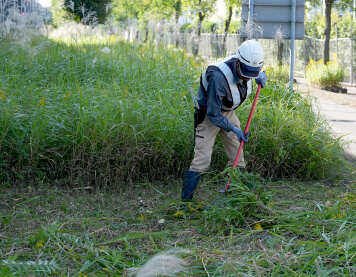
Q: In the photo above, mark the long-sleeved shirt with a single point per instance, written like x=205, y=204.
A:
x=217, y=90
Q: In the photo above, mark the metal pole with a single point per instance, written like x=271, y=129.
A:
x=251, y=10
x=292, y=40
x=251, y=19
x=352, y=55
x=305, y=55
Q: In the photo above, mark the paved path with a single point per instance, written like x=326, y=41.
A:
x=339, y=110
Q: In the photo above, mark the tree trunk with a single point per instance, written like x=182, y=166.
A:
x=177, y=8
x=328, y=6
x=227, y=26
x=280, y=53
x=197, y=38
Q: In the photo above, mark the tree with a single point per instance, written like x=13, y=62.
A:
x=230, y=4
x=125, y=9
x=87, y=8
x=342, y=5
x=167, y=8
x=199, y=8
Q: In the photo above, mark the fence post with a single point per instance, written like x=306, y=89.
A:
x=315, y=44
x=305, y=55
x=337, y=43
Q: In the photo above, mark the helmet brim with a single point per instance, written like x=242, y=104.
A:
x=249, y=71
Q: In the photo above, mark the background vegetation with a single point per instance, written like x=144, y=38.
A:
x=323, y=75
x=341, y=26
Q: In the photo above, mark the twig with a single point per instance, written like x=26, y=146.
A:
x=83, y=188
x=99, y=230
x=300, y=194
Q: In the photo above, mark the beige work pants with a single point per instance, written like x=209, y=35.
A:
x=204, y=142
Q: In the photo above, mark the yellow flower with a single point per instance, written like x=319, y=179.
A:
x=141, y=218
x=339, y=215
x=41, y=104
x=179, y=214
x=258, y=226
x=112, y=38
x=39, y=244
x=2, y=95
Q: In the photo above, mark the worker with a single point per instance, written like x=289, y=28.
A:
x=224, y=86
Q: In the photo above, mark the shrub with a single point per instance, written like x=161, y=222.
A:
x=325, y=75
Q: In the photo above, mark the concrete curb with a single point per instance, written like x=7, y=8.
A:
x=344, y=98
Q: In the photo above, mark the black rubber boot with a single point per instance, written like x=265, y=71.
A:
x=190, y=182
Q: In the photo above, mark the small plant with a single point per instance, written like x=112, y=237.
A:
x=325, y=75
x=278, y=73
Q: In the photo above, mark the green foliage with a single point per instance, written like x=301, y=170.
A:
x=325, y=75
x=340, y=26
x=278, y=73
x=141, y=9
x=119, y=115
x=127, y=9
x=84, y=7
x=200, y=8
x=187, y=27
x=207, y=26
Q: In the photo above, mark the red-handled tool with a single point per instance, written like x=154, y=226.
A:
x=246, y=130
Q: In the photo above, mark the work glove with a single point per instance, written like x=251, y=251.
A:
x=261, y=79
x=240, y=134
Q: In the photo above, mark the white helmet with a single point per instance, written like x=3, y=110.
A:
x=251, y=57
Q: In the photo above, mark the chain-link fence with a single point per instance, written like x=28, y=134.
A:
x=210, y=46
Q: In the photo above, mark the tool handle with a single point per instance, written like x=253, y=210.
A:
x=246, y=130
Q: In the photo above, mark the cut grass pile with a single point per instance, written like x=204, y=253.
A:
x=49, y=230
x=102, y=111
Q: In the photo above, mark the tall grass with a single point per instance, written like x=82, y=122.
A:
x=77, y=111
x=289, y=137
x=105, y=111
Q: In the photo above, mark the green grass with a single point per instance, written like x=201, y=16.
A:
x=72, y=113
x=126, y=113
x=88, y=232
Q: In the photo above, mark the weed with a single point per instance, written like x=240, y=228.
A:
x=325, y=75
